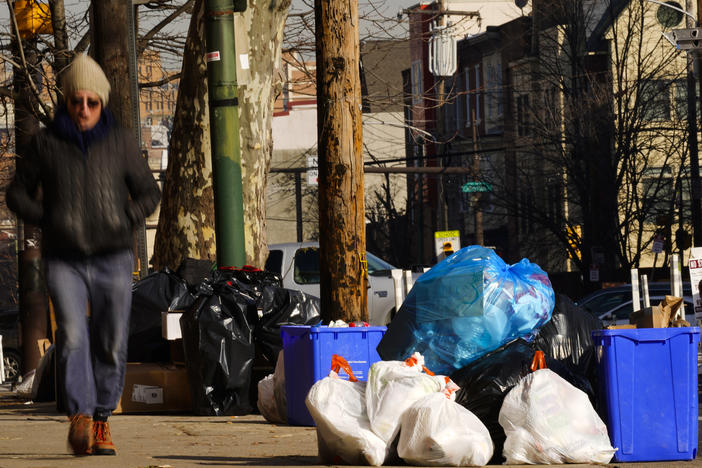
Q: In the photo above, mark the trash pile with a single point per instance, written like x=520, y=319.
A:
x=358, y=422
x=230, y=318
x=515, y=380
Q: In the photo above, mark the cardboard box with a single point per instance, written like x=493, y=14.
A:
x=658, y=316
x=155, y=388
x=170, y=325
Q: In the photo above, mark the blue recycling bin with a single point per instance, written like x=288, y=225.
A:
x=648, y=391
x=307, y=355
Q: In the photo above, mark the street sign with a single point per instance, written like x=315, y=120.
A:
x=446, y=242
x=658, y=244
x=312, y=171
x=470, y=187
x=686, y=39
x=695, y=265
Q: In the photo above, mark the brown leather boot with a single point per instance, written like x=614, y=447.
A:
x=103, y=440
x=80, y=434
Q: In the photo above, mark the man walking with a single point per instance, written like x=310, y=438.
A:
x=83, y=181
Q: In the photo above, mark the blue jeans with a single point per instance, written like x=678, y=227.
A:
x=91, y=350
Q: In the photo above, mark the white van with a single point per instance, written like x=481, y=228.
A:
x=298, y=265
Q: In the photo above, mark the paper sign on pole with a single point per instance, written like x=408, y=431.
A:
x=446, y=243
x=594, y=273
x=695, y=265
x=312, y=171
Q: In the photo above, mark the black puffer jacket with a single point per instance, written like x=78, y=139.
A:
x=90, y=201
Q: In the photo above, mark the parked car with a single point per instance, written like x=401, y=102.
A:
x=298, y=265
x=11, y=352
x=613, y=305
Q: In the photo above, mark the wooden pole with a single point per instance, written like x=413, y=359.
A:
x=479, y=240
x=33, y=298
x=343, y=267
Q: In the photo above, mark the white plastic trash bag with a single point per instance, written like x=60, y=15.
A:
x=437, y=431
x=548, y=421
x=279, y=388
x=338, y=408
x=392, y=388
x=271, y=400
x=266, y=400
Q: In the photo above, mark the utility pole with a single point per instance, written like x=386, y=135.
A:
x=694, y=159
x=224, y=128
x=342, y=228
x=33, y=298
x=479, y=240
x=441, y=124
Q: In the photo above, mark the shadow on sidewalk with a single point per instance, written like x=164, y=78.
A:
x=291, y=460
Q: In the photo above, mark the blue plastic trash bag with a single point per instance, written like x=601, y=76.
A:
x=466, y=306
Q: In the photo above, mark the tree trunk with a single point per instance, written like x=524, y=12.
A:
x=186, y=223
x=342, y=233
x=265, y=24
x=62, y=55
x=111, y=47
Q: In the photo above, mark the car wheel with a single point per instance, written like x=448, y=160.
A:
x=13, y=365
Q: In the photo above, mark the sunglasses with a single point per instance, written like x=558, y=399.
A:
x=77, y=102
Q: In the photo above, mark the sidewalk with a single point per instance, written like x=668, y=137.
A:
x=34, y=435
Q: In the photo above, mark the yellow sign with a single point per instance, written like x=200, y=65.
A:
x=446, y=243
x=442, y=234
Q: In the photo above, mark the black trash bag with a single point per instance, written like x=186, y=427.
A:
x=160, y=291
x=219, y=350
x=194, y=271
x=567, y=337
x=249, y=280
x=485, y=383
x=280, y=306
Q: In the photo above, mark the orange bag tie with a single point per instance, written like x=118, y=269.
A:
x=412, y=361
x=338, y=363
x=539, y=361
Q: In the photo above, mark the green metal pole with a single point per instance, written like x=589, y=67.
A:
x=224, y=131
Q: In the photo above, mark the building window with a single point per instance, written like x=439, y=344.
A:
x=493, y=86
x=525, y=225
x=654, y=100
x=416, y=77
x=469, y=110
x=523, y=115
x=477, y=91
x=555, y=202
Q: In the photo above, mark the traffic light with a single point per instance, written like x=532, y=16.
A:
x=32, y=18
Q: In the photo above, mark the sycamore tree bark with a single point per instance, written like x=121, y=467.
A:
x=264, y=20
x=186, y=224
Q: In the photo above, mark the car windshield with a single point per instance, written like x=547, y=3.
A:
x=605, y=301
x=376, y=265
x=307, y=265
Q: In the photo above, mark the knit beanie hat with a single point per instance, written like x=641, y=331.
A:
x=84, y=73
